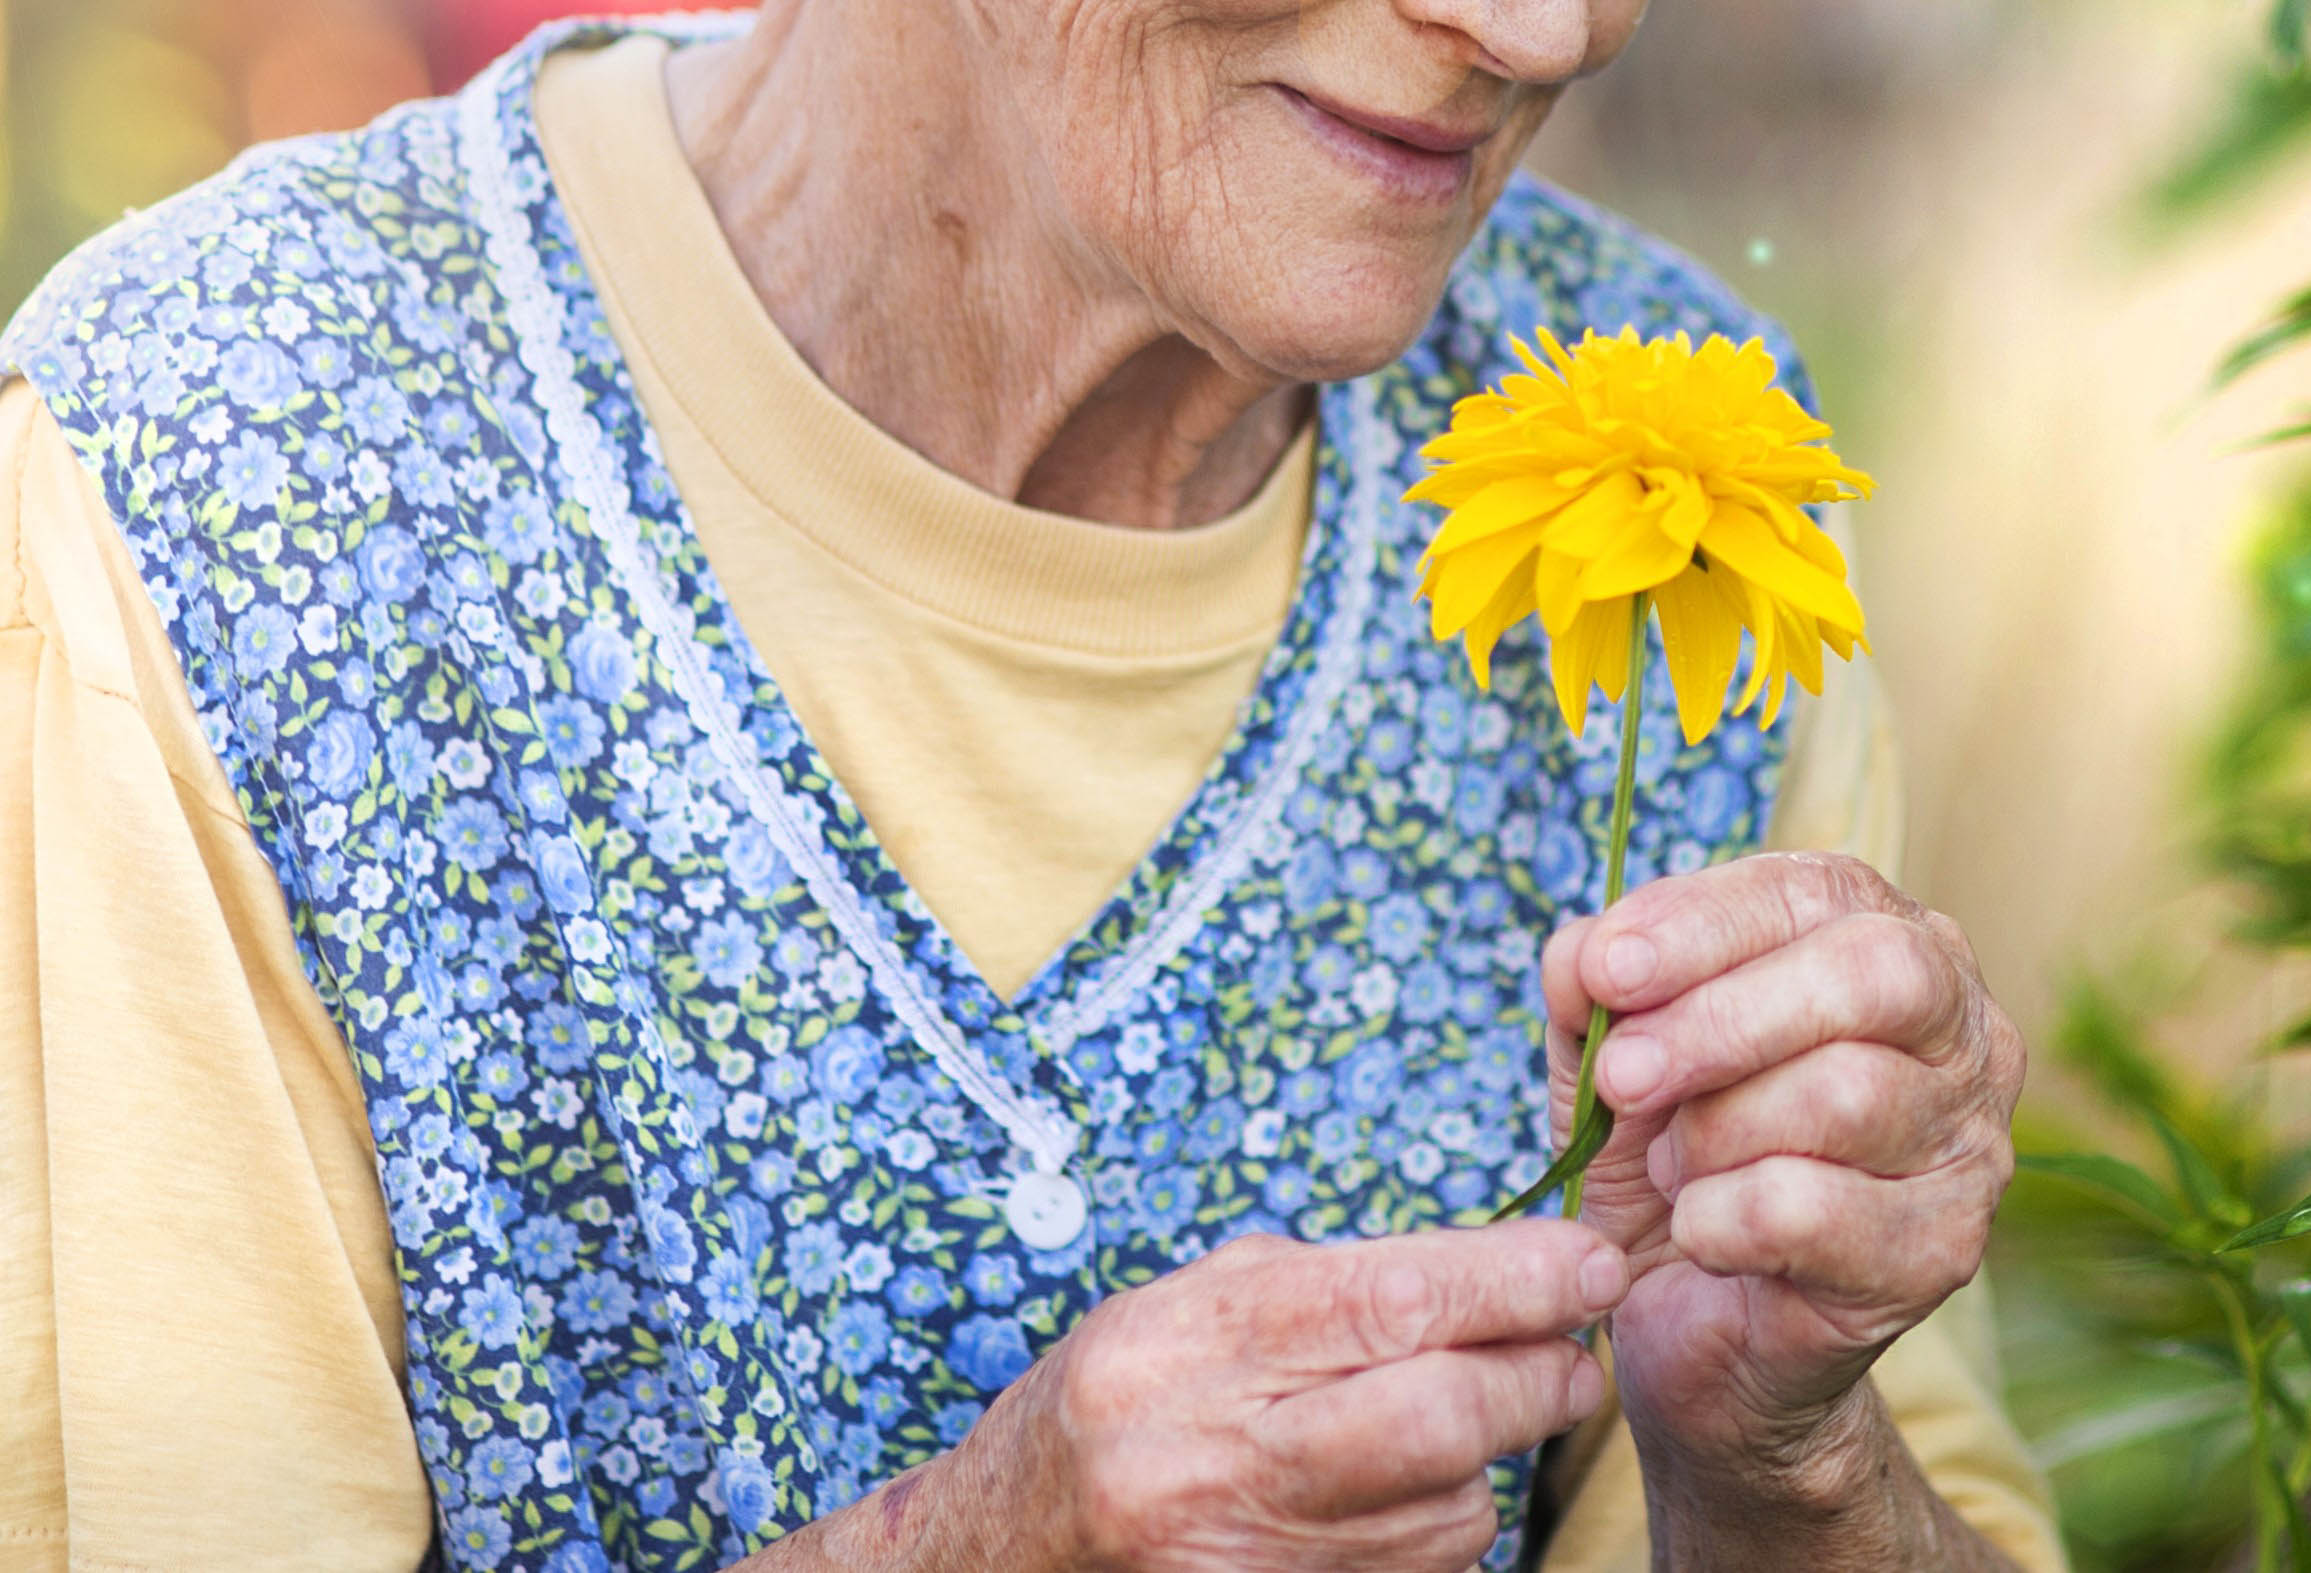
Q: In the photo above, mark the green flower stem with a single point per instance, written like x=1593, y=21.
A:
x=1592, y=1120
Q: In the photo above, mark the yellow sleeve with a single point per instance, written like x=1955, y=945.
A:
x=200, y=1336
x=1842, y=792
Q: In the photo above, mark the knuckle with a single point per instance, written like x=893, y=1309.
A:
x=1947, y=1261
x=1393, y=1306
x=1129, y=1517
x=1758, y=1212
x=1952, y=934
x=1901, y=980
x=1999, y=1175
x=1724, y=1015
x=1850, y=1095
x=1251, y=1251
x=1098, y=1381
x=1816, y=888
x=2008, y=1054
x=1472, y=1523
x=1869, y=889
x=1780, y=1205
x=1444, y=1432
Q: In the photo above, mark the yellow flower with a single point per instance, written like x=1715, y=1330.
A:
x=1625, y=468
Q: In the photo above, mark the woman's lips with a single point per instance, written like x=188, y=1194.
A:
x=1414, y=161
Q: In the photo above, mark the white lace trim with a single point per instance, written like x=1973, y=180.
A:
x=1339, y=650
x=598, y=481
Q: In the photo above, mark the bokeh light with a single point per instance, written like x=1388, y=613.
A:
x=109, y=105
x=1944, y=201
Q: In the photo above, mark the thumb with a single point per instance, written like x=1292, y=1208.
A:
x=1619, y=1199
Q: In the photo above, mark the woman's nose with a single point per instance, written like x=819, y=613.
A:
x=1528, y=40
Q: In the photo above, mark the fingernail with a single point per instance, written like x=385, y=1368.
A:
x=1586, y=1390
x=1633, y=1067
x=1631, y=960
x=1661, y=1164
x=1604, y=1279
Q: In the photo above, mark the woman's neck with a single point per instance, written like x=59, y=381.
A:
x=913, y=257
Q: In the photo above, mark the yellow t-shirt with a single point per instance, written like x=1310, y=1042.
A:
x=200, y=1340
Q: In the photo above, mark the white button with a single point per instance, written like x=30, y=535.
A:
x=1046, y=1211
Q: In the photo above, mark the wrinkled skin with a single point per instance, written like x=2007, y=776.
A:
x=1814, y=1090
x=1094, y=254
x=1175, y=163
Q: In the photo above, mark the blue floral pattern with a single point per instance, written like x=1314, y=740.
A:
x=699, y=1231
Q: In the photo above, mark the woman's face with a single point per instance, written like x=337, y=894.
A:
x=1286, y=181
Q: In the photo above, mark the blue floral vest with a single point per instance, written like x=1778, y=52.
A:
x=679, y=1093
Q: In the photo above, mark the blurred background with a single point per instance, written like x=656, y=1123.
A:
x=2015, y=237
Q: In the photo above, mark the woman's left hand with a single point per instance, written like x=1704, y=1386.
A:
x=1813, y=1089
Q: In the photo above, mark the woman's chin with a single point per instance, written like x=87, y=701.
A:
x=1333, y=327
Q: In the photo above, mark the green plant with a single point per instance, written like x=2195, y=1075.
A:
x=2163, y=1342
x=2169, y=1377
x=2264, y=119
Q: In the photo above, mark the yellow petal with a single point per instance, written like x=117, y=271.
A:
x=1625, y=465
x=1591, y=522
x=1613, y=659
x=1688, y=513
x=1556, y=591
x=1501, y=613
x=1703, y=642
x=1585, y=653
x=1505, y=505
x=1643, y=557
x=1763, y=632
x=1742, y=541
x=1461, y=584
x=1801, y=643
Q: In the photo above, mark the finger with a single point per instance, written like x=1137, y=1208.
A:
x=1677, y=933
x=1345, y=1307
x=1421, y=1427
x=1863, y=1105
x=1870, y=978
x=1567, y=996
x=1878, y=1250
x=1449, y=1533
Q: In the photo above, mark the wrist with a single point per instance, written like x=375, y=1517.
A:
x=993, y=1501
x=1009, y=1482
x=1813, y=1490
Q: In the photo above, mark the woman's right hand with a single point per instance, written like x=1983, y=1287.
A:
x=1278, y=1407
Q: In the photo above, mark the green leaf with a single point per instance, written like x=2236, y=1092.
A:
x=2114, y=1182
x=2203, y=1189
x=2295, y=1221
x=2272, y=439
x=2293, y=1038
x=2264, y=116
x=1588, y=1140
x=2290, y=31
x=2102, y=1035
x=2290, y=325
x=2107, y=1430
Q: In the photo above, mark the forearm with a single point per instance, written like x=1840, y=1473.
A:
x=959, y=1513
x=1848, y=1496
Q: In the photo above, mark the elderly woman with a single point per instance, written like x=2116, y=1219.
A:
x=729, y=842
